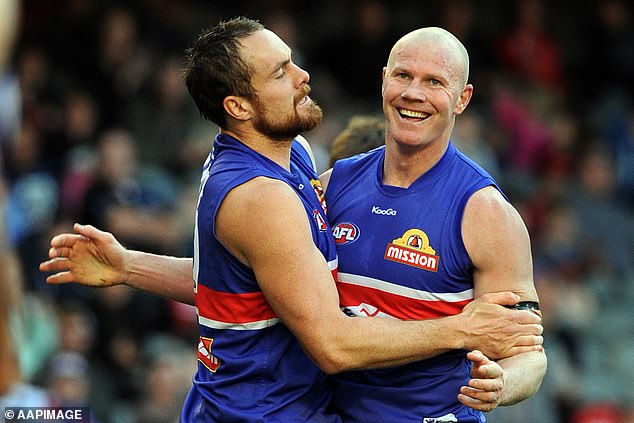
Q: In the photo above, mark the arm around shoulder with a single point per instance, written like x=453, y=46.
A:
x=264, y=225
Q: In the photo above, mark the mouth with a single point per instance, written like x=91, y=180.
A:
x=303, y=100
x=412, y=114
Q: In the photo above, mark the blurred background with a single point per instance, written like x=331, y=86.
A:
x=96, y=126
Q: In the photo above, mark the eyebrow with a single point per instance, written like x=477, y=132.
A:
x=280, y=65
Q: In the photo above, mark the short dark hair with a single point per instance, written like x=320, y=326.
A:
x=215, y=70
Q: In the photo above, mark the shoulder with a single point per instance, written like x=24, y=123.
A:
x=489, y=208
x=256, y=214
x=491, y=221
x=258, y=204
x=262, y=191
x=487, y=200
x=352, y=170
x=358, y=161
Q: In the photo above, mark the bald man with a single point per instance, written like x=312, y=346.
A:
x=422, y=230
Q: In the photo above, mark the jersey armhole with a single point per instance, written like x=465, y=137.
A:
x=304, y=143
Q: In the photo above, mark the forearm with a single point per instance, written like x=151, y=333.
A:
x=523, y=376
x=165, y=276
x=362, y=343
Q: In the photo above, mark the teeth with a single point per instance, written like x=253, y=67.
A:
x=412, y=113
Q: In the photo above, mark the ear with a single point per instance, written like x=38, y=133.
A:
x=464, y=99
x=238, y=107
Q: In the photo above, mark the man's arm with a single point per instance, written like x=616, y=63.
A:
x=95, y=258
x=299, y=286
x=264, y=224
x=499, y=245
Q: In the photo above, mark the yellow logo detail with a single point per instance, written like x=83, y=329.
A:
x=415, y=239
x=319, y=191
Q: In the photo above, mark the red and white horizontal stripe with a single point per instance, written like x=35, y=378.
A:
x=226, y=310
x=245, y=311
x=399, y=301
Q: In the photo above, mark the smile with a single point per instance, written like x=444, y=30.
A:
x=412, y=114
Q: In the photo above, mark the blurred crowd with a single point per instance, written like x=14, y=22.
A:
x=96, y=126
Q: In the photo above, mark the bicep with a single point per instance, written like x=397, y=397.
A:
x=499, y=245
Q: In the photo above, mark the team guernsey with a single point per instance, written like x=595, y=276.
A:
x=401, y=256
x=250, y=366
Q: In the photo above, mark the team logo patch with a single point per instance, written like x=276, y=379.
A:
x=205, y=356
x=319, y=191
x=319, y=220
x=345, y=233
x=413, y=249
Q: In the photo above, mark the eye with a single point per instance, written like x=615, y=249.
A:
x=402, y=75
x=435, y=82
x=281, y=74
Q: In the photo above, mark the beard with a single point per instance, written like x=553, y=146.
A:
x=287, y=128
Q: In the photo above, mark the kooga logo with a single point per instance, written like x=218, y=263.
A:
x=384, y=212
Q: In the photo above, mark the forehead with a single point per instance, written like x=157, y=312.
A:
x=263, y=50
x=435, y=58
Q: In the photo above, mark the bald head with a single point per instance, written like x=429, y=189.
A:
x=441, y=42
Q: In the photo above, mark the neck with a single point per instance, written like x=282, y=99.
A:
x=405, y=164
x=278, y=151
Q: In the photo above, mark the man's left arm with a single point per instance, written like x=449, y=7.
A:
x=499, y=246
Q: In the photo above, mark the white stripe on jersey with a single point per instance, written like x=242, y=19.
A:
x=215, y=324
x=404, y=290
x=333, y=264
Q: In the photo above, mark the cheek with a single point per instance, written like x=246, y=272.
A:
x=390, y=90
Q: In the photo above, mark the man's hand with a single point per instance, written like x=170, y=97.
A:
x=500, y=332
x=484, y=391
x=89, y=257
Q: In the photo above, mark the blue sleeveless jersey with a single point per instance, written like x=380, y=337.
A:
x=251, y=368
x=401, y=255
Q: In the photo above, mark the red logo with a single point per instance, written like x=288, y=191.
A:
x=205, y=356
x=413, y=249
x=319, y=220
x=345, y=233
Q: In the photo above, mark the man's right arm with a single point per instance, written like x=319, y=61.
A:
x=299, y=286
x=264, y=225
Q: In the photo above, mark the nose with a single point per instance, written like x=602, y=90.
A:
x=414, y=92
x=302, y=76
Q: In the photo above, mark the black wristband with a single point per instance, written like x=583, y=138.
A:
x=525, y=305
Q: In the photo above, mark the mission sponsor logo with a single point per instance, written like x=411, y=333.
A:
x=345, y=233
x=413, y=249
x=205, y=356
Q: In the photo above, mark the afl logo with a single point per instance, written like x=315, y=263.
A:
x=345, y=233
